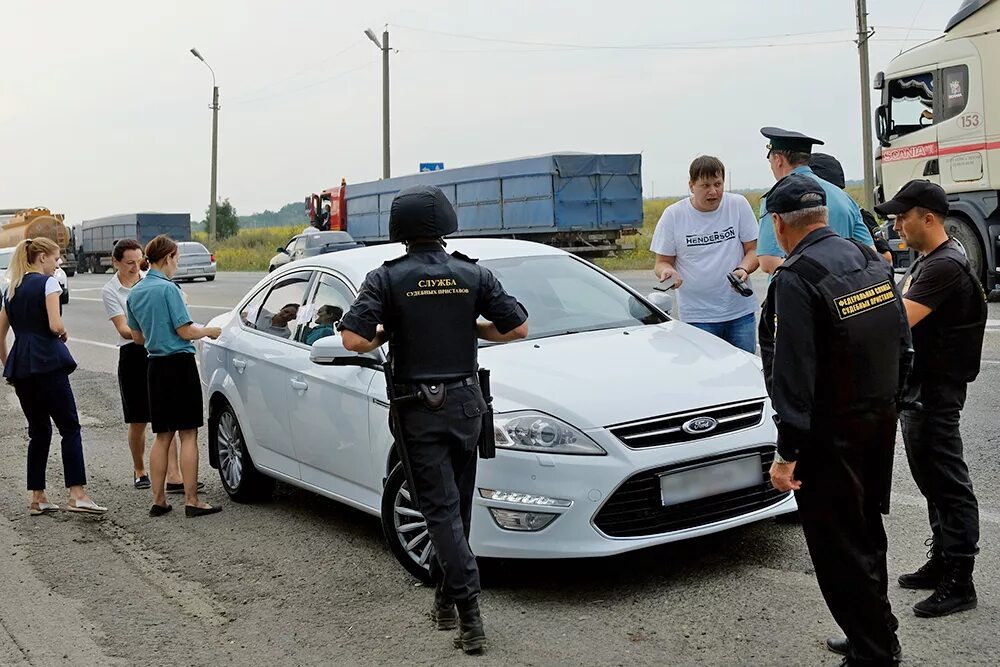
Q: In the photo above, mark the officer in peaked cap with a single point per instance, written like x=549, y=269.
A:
x=839, y=332
x=789, y=153
x=426, y=305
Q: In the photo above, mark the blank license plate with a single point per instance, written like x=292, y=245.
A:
x=710, y=480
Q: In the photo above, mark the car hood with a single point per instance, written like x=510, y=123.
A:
x=601, y=378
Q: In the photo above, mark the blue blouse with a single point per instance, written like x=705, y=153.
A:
x=156, y=308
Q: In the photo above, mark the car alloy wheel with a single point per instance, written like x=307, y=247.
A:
x=240, y=478
x=230, y=450
x=405, y=528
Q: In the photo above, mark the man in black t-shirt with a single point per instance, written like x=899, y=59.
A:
x=946, y=307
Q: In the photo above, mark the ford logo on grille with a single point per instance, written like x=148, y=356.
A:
x=699, y=425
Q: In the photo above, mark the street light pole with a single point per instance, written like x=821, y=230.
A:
x=215, y=146
x=384, y=47
x=866, y=103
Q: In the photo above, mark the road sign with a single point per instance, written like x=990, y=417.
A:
x=431, y=166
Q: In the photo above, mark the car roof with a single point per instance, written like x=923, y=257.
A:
x=355, y=263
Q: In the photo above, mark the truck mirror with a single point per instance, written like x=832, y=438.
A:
x=882, y=125
x=879, y=82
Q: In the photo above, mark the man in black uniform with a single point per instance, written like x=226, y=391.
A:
x=830, y=170
x=426, y=305
x=946, y=307
x=839, y=332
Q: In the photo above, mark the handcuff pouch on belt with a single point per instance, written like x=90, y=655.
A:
x=432, y=395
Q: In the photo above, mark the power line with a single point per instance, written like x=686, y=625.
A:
x=255, y=92
x=314, y=84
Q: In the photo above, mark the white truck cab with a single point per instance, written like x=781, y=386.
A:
x=939, y=119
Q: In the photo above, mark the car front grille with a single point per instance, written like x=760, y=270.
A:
x=635, y=509
x=670, y=429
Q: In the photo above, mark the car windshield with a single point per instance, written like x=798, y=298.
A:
x=327, y=238
x=563, y=295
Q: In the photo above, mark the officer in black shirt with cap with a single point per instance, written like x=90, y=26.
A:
x=839, y=333
x=426, y=305
x=946, y=307
x=830, y=170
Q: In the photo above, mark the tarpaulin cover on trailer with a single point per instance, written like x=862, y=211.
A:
x=569, y=166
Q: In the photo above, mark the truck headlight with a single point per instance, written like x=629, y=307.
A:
x=538, y=432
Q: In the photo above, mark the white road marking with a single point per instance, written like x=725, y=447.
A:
x=92, y=342
x=990, y=361
x=190, y=305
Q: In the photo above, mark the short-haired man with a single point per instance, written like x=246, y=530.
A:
x=698, y=241
x=839, y=333
x=946, y=308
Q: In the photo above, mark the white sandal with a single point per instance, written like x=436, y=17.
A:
x=85, y=506
x=38, y=509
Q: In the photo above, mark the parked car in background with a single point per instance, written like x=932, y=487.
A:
x=5, y=255
x=617, y=427
x=195, y=261
x=310, y=244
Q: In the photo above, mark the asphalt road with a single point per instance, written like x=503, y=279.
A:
x=302, y=580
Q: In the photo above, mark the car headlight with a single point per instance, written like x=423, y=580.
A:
x=537, y=432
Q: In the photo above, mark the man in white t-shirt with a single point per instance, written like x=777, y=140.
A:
x=698, y=242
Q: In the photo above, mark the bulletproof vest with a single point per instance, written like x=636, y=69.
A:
x=431, y=317
x=950, y=351
x=857, y=339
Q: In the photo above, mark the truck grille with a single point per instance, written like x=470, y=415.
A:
x=669, y=430
x=636, y=510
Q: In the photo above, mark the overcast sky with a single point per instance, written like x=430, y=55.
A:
x=103, y=110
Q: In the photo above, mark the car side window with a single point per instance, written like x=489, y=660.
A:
x=278, y=313
x=333, y=298
x=290, y=248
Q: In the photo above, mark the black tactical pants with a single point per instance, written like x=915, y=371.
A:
x=934, y=450
x=845, y=479
x=442, y=452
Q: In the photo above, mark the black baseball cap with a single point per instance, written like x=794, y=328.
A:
x=828, y=168
x=795, y=192
x=917, y=192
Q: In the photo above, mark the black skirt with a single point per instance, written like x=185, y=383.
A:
x=133, y=363
x=174, y=393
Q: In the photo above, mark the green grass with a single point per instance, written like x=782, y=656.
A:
x=250, y=249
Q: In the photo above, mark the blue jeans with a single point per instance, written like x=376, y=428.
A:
x=741, y=332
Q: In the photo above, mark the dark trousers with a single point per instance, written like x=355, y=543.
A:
x=45, y=399
x=845, y=479
x=934, y=450
x=441, y=446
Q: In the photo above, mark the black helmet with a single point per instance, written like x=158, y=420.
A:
x=421, y=211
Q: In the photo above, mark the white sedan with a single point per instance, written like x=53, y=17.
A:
x=617, y=427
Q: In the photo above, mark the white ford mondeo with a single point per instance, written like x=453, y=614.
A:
x=617, y=427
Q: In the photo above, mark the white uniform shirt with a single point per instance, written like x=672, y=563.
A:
x=115, y=297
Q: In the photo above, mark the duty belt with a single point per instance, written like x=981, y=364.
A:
x=413, y=387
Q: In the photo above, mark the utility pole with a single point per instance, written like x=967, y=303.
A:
x=215, y=146
x=866, y=102
x=384, y=47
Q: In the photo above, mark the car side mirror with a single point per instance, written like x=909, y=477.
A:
x=330, y=351
x=281, y=249
x=662, y=300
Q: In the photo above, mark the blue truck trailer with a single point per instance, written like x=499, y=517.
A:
x=582, y=202
x=97, y=237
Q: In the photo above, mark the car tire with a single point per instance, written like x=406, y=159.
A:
x=963, y=232
x=70, y=273
x=240, y=478
x=405, y=528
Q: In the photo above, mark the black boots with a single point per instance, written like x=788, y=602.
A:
x=443, y=611
x=930, y=573
x=955, y=592
x=471, y=637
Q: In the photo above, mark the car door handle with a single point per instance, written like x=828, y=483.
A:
x=299, y=385
x=239, y=364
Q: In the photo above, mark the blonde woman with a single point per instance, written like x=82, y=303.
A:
x=38, y=366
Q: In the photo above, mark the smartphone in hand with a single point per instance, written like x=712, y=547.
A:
x=666, y=285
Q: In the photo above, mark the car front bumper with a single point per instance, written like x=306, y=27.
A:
x=590, y=483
